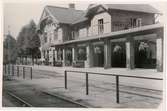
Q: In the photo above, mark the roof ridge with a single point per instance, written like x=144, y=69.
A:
x=62, y=7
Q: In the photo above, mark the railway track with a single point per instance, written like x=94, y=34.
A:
x=19, y=100
x=61, y=101
x=65, y=99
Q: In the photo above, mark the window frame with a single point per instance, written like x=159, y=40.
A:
x=100, y=26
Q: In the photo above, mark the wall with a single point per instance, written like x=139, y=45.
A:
x=106, y=20
x=81, y=29
x=83, y=32
x=124, y=17
x=60, y=35
x=66, y=32
x=115, y=17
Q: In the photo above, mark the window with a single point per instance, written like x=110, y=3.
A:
x=135, y=22
x=100, y=26
x=72, y=35
x=55, y=34
x=139, y=22
x=81, y=53
x=50, y=39
x=44, y=54
x=83, y=32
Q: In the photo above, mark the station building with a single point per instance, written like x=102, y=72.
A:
x=104, y=35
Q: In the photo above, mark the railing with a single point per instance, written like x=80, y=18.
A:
x=12, y=70
x=116, y=77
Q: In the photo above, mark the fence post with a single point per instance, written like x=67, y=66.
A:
x=17, y=71
x=117, y=88
x=31, y=73
x=87, y=84
x=9, y=69
x=23, y=72
x=12, y=70
x=65, y=79
x=4, y=70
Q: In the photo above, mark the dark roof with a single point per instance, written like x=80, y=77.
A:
x=72, y=16
x=66, y=15
x=134, y=7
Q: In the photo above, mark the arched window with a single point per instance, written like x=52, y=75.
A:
x=117, y=48
x=82, y=53
x=97, y=50
x=143, y=46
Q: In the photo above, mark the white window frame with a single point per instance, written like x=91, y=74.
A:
x=72, y=35
x=100, y=26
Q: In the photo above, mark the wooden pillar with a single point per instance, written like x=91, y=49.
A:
x=89, y=53
x=107, y=54
x=48, y=58
x=74, y=54
x=42, y=54
x=159, y=52
x=130, y=59
x=53, y=57
x=56, y=54
x=64, y=57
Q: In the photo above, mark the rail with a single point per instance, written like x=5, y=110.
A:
x=65, y=99
x=10, y=69
x=20, y=99
x=107, y=74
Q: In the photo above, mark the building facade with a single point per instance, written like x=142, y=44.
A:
x=104, y=35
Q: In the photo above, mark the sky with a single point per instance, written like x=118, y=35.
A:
x=18, y=14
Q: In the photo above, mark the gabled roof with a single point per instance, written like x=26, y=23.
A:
x=145, y=8
x=72, y=16
x=134, y=7
x=66, y=15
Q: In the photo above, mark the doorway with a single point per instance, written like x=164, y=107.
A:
x=98, y=57
x=118, y=55
x=145, y=54
x=69, y=57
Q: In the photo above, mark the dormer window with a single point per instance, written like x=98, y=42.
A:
x=100, y=26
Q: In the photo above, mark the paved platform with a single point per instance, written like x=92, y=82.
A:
x=134, y=93
x=101, y=94
x=143, y=83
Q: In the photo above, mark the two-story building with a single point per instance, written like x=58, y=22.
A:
x=107, y=35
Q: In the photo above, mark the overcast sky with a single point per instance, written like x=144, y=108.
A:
x=16, y=14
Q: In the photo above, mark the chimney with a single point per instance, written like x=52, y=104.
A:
x=72, y=6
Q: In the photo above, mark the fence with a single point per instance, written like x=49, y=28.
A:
x=115, y=75
x=12, y=70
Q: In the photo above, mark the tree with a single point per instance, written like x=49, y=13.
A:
x=29, y=42
x=9, y=50
x=21, y=43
